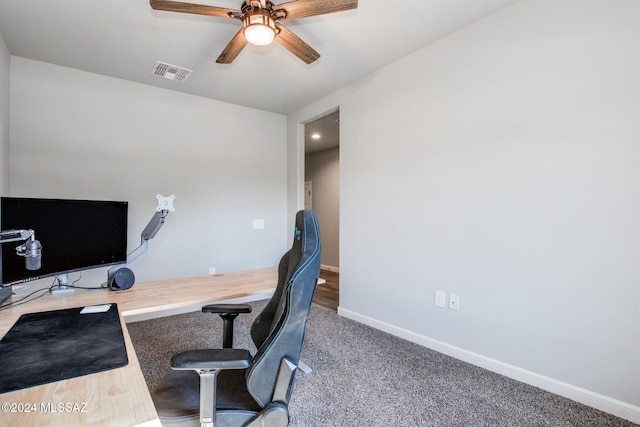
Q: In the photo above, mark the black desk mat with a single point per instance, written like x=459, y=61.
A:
x=56, y=345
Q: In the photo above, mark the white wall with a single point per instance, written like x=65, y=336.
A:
x=323, y=170
x=501, y=164
x=5, y=61
x=82, y=135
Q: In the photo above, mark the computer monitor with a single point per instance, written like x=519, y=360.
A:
x=75, y=235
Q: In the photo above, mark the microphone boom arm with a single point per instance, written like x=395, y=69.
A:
x=16, y=235
x=31, y=250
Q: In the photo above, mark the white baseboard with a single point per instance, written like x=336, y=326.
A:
x=587, y=397
x=330, y=268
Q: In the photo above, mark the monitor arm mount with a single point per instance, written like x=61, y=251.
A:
x=31, y=250
x=165, y=205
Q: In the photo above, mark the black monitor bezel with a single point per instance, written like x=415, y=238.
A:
x=11, y=261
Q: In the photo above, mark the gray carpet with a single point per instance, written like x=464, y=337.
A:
x=365, y=377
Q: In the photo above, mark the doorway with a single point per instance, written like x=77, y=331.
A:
x=322, y=193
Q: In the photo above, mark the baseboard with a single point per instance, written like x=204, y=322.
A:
x=330, y=268
x=578, y=394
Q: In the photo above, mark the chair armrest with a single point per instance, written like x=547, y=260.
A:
x=227, y=308
x=228, y=312
x=219, y=358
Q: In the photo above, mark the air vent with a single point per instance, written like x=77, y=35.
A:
x=171, y=72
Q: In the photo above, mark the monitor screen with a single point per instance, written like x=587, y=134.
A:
x=75, y=235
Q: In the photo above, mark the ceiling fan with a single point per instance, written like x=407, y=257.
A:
x=261, y=22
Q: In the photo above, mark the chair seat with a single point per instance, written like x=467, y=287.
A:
x=231, y=393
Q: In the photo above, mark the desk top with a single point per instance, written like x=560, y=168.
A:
x=118, y=397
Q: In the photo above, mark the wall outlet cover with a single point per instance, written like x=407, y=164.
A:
x=440, y=298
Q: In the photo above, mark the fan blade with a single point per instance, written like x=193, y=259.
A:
x=304, y=8
x=235, y=46
x=199, y=9
x=296, y=45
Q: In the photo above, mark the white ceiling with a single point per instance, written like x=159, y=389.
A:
x=328, y=130
x=125, y=38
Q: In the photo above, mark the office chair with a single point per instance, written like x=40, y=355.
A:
x=228, y=387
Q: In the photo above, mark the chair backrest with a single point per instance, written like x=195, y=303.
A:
x=278, y=331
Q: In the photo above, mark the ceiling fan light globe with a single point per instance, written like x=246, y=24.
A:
x=259, y=34
x=259, y=28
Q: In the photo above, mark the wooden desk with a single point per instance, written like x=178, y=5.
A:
x=118, y=397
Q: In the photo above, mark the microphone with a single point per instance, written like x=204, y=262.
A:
x=33, y=255
x=31, y=250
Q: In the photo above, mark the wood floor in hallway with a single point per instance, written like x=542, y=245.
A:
x=327, y=294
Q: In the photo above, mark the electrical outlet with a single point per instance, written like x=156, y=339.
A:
x=212, y=270
x=454, y=302
x=440, y=298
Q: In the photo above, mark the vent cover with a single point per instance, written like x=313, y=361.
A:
x=171, y=72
